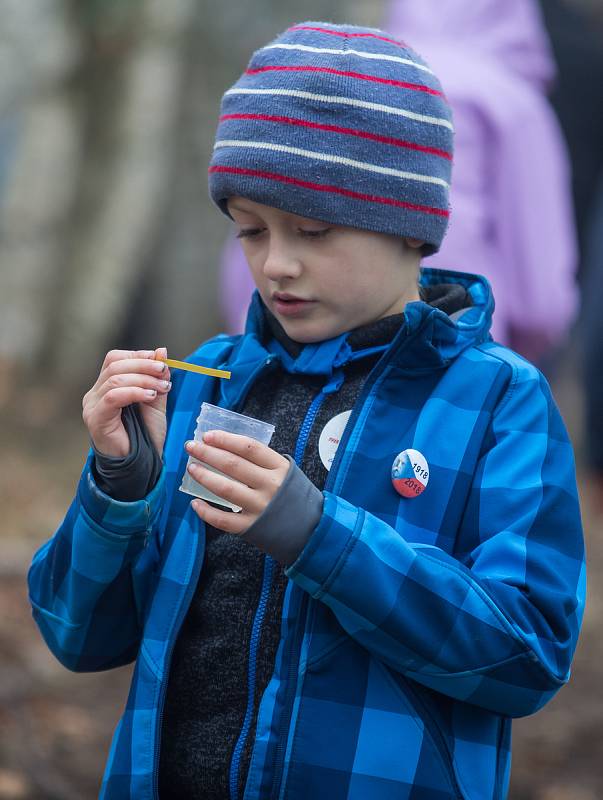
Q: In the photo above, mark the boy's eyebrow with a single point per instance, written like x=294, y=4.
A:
x=239, y=208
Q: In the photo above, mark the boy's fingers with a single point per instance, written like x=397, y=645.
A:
x=222, y=520
x=141, y=366
x=231, y=464
x=120, y=398
x=246, y=447
x=120, y=355
x=234, y=492
x=134, y=381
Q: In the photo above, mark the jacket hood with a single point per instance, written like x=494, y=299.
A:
x=432, y=338
x=511, y=32
x=428, y=337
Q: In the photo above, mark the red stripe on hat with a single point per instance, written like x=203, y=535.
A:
x=416, y=87
x=371, y=198
x=355, y=35
x=434, y=151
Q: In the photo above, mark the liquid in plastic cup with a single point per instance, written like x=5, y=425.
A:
x=214, y=418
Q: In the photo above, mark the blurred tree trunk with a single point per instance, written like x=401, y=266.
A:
x=39, y=51
x=108, y=237
x=87, y=189
x=134, y=101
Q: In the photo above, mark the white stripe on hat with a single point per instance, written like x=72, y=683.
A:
x=361, y=53
x=350, y=101
x=348, y=162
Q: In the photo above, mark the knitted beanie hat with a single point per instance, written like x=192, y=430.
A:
x=340, y=124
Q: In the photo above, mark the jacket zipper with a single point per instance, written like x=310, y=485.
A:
x=295, y=648
x=300, y=447
x=293, y=668
x=256, y=631
x=184, y=606
x=296, y=639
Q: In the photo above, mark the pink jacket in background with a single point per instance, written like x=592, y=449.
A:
x=511, y=210
x=511, y=217
x=235, y=287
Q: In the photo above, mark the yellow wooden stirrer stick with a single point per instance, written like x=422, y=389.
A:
x=215, y=373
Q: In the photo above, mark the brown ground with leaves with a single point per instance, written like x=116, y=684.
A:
x=56, y=726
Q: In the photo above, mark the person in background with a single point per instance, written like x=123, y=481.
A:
x=512, y=217
x=511, y=211
x=235, y=287
x=591, y=330
x=577, y=39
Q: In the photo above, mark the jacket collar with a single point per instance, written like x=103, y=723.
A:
x=434, y=338
x=427, y=338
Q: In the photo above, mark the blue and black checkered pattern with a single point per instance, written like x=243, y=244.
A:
x=412, y=630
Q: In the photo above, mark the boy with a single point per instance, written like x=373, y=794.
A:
x=411, y=576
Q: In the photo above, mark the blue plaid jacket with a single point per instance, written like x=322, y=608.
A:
x=412, y=629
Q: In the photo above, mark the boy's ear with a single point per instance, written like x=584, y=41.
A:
x=415, y=244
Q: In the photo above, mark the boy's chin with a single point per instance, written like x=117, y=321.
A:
x=309, y=334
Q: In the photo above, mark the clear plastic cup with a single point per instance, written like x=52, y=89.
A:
x=213, y=418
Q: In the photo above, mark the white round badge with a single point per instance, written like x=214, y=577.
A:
x=331, y=436
x=410, y=473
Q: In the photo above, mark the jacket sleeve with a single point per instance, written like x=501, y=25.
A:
x=497, y=626
x=88, y=584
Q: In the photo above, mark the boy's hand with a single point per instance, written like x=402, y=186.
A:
x=127, y=377
x=260, y=470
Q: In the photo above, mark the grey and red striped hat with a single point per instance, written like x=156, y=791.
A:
x=340, y=124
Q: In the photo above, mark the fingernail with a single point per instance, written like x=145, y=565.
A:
x=159, y=366
x=166, y=385
x=189, y=445
x=150, y=392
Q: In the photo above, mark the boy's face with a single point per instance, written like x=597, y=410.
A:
x=320, y=280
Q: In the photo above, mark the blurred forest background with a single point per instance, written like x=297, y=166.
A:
x=108, y=239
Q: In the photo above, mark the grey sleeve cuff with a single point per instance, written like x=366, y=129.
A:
x=287, y=522
x=132, y=477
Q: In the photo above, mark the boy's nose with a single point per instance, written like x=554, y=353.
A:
x=281, y=263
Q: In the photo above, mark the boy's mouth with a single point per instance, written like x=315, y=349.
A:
x=289, y=304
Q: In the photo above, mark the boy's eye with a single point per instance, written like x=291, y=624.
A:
x=315, y=234
x=249, y=232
